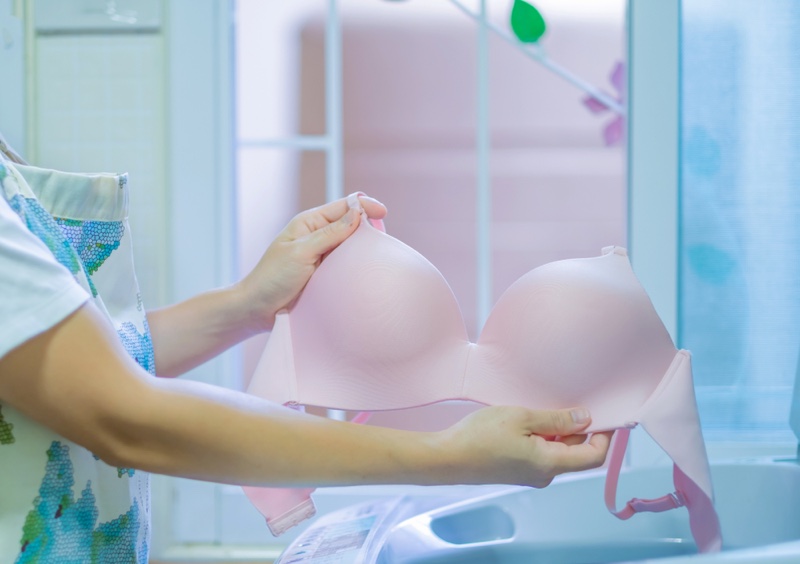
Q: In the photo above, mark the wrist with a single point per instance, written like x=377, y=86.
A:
x=394, y=456
x=246, y=312
x=440, y=459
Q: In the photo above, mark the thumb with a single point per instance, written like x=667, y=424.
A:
x=561, y=422
x=331, y=236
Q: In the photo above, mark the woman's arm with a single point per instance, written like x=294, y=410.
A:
x=77, y=380
x=191, y=332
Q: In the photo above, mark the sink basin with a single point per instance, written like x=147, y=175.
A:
x=567, y=523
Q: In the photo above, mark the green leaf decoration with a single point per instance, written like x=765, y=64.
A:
x=527, y=22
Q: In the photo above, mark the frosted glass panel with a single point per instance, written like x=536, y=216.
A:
x=100, y=106
x=739, y=299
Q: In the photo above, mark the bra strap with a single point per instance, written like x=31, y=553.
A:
x=635, y=505
x=361, y=417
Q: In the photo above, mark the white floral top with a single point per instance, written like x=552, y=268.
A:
x=58, y=502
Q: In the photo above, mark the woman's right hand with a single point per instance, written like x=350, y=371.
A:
x=515, y=445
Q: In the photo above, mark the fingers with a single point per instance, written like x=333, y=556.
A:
x=569, y=451
x=317, y=218
x=331, y=235
x=583, y=456
x=374, y=208
x=525, y=446
x=571, y=440
x=322, y=229
x=561, y=422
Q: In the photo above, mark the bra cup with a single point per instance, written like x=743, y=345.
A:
x=383, y=325
x=573, y=333
x=274, y=376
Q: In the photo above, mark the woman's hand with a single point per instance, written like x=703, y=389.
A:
x=295, y=254
x=195, y=330
x=514, y=445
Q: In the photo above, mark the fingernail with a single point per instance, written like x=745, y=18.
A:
x=580, y=415
x=371, y=199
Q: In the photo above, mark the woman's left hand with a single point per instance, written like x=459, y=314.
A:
x=295, y=254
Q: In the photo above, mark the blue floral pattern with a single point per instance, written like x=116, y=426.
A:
x=44, y=226
x=138, y=345
x=63, y=520
x=93, y=240
x=63, y=529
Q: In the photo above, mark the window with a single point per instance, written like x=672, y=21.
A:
x=712, y=176
x=739, y=277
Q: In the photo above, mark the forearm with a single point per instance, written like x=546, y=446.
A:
x=191, y=332
x=77, y=380
x=204, y=432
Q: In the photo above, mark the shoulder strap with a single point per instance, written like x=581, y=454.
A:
x=635, y=505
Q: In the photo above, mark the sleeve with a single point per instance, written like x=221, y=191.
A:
x=36, y=292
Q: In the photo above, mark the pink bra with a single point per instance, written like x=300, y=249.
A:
x=378, y=328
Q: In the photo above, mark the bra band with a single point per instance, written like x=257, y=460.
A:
x=635, y=505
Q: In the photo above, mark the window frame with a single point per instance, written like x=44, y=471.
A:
x=199, y=51
x=654, y=150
